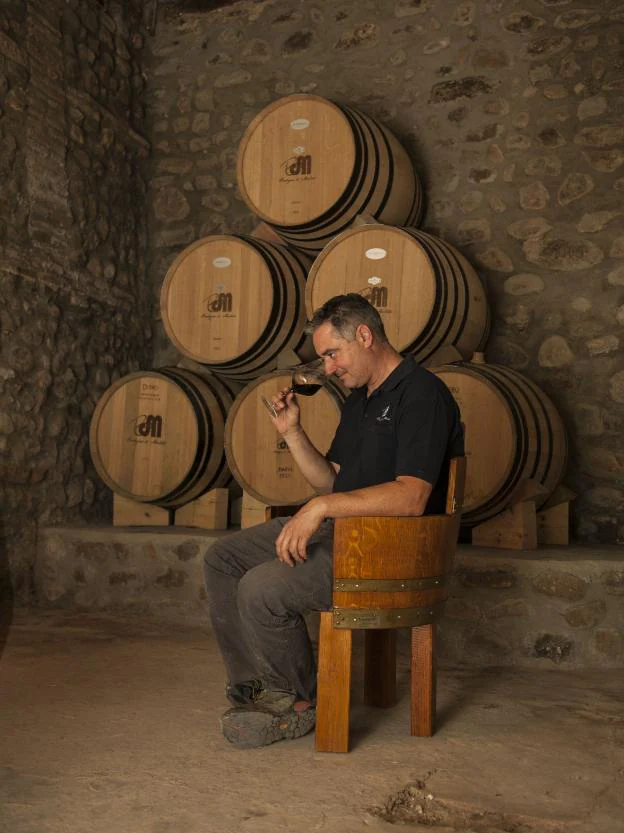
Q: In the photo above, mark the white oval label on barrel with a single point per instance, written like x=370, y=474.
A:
x=375, y=254
x=374, y=281
x=299, y=149
x=299, y=124
x=221, y=262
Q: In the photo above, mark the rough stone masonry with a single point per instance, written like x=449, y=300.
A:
x=118, y=149
x=513, y=117
x=74, y=313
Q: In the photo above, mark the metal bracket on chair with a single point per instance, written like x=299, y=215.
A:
x=397, y=617
x=388, y=585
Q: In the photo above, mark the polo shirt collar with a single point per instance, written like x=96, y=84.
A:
x=400, y=372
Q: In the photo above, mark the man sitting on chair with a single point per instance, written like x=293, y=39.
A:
x=390, y=455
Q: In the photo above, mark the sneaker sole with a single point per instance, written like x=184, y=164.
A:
x=252, y=729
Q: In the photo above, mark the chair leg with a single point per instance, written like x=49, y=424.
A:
x=423, y=681
x=334, y=681
x=380, y=668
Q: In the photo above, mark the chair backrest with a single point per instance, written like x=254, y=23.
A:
x=391, y=571
x=456, y=485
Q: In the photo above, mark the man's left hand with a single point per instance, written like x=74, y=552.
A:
x=291, y=543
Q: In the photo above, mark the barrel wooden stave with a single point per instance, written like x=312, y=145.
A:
x=427, y=294
x=355, y=166
x=180, y=455
x=369, y=550
x=267, y=159
x=257, y=455
x=468, y=329
x=211, y=468
x=513, y=433
x=234, y=303
x=386, y=189
x=388, y=600
x=126, y=441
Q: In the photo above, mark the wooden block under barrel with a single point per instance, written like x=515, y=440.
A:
x=513, y=529
x=210, y=511
x=128, y=512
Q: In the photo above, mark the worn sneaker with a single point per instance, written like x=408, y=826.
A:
x=273, y=716
x=243, y=694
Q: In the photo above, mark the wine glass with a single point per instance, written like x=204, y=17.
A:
x=306, y=379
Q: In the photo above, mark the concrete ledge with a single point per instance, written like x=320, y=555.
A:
x=558, y=605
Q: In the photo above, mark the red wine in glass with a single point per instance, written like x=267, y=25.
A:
x=306, y=389
x=307, y=379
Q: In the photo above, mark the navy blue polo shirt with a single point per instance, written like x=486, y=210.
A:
x=409, y=425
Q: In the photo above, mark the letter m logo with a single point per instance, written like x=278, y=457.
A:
x=379, y=296
x=299, y=166
x=149, y=426
x=220, y=302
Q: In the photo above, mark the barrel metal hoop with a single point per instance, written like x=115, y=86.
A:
x=388, y=585
x=368, y=618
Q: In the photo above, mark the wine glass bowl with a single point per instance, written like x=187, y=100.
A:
x=308, y=378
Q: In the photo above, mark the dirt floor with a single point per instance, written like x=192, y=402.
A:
x=111, y=725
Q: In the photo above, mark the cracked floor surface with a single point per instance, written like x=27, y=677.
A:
x=111, y=725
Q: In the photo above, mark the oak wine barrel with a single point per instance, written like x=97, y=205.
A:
x=257, y=455
x=308, y=166
x=157, y=436
x=513, y=433
x=233, y=303
x=427, y=293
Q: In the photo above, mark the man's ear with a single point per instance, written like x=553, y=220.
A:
x=364, y=335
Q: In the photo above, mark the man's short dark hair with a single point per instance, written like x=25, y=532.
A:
x=345, y=313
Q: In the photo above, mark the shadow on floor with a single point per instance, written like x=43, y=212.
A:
x=454, y=703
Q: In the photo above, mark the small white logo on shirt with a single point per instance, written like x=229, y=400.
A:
x=384, y=416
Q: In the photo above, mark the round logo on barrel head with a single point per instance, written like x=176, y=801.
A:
x=221, y=262
x=375, y=254
x=299, y=124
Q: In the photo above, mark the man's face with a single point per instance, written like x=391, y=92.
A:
x=344, y=359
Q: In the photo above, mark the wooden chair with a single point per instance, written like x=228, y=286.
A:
x=389, y=573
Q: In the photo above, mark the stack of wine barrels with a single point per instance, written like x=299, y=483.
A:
x=307, y=167
x=339, y=198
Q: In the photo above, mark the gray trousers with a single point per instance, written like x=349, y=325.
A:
x=257, y=605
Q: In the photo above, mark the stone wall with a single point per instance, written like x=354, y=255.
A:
x=75, y=314
x=514, y=119
x=556, y=606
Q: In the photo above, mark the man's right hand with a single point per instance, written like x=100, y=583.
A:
x=288, y=413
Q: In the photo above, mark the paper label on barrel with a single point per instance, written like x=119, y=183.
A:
x=150, y=389
x=221, y=262
x=374, y=281
x=375, y=254
x=299, y=124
